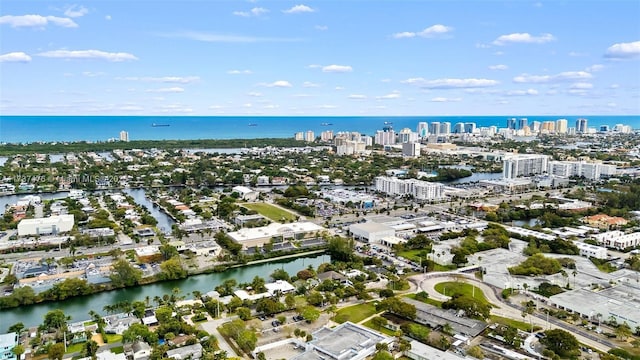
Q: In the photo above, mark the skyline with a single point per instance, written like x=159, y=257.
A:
x=278, y=58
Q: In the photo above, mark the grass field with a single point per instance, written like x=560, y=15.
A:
x=414, y=255
x=113, y=338
x=451, y=288
x=383, y=330
x=428, y=301
x=521, y=325
x=355, y=313
x=272, y=212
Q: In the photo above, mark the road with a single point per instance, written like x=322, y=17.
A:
x=504, y=309
x=212, y=328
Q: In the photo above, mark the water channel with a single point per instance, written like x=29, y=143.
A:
x=164, y=221
x=78, y=308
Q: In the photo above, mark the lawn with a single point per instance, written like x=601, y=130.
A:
x=117, y=350
x=355, y=313
x=113, y=338
x=451, y=288
x=428, y=301
x=383, y=330
x=272, y=212
x=414, y=255
x=521, y=325
x=75, y=348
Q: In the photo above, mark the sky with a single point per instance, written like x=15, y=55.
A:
x=197, y=57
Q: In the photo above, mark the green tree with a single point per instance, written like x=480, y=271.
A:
x=379, y=322
x=244, y=313
x=55, y=319
x=623, y=331
x=280, y=274
x=18, y=350
x=123, y=274
x=476, y=352
x=561, y=342
x=56, y=351
x=172, y=269
x=310, y=313
x=91, y=349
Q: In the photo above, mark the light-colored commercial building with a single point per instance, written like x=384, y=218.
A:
x=524, y=165
x=591, y=171
x=124, y=136
x=588, y=250
x=45, y=226
x=561, y=126
x=246, y=193
x=372, y=232
x=250, y=237
x=346, y=341
x=411, y=149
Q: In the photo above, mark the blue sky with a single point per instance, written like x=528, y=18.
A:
x=319, y=58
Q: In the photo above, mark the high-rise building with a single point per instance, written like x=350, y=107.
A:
x=524, y=165
x=423, y=129
x=445, y=128
x=548, y=126
x=411, y=149
x=511, y=123
x=309, y=136
x=326, y=135
x=581, y=126
x=536, y=126
x=604, y=128
x=562, y=126
x=434, y=128
x=522, y=123
x=124, y=136
x=406, y=135
x=386, y=136
x=469, y=127
x=458, y=128
x=299, y=136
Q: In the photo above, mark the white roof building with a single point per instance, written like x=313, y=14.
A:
x=259, y=236
x=45, y=226
x=372, y=232
x=281, y=286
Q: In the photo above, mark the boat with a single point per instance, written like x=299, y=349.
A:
x=326, y=124
x=388, y=122
x=159, y=125
x=252, y=124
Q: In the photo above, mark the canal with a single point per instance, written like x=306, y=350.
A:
x=79, y=307
x=164, y=221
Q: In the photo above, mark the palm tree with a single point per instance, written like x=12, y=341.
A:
x=18, y=350
x=574, y=273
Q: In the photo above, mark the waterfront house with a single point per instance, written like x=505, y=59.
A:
x=193, y=352
x=8, y=342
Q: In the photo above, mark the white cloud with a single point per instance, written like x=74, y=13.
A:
x=297, y=9
x=444, y=99
x=164, y=79
x=36, y=21
x=278, y=84
x=623, y=50
x=577, y=54
x=339, y=88
x=174, y=108
x=498, y=67
x=594, y=68
x=451, y=83
x=309, y=84
x=223, y=38
x=435, y=30
x=216, y=107
x=563, y=76
x=614, y=86
x=404, y=35
x=523, y=38
x=301, y=95
x=107, y=17
x=357, y=97
x=93, y=74
x=18, y=56
x=313, y=66
x=247, y=105
x=239, y=72
x=337, y=68
x=431, y=31
x=522, y=92
x=322, y=27
x=76, y=11
x=482, y=46
x=393, y=95
x=254, y=94
x=88, y=54
x=175, y=89
x=581, y=85
x=326, y=106
x=256, y=11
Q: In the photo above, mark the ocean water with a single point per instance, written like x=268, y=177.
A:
x=24, y=129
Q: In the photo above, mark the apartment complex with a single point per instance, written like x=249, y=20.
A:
x=524, y=165
x=420, y=190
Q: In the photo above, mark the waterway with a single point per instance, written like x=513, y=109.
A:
x=164, y=221
x=78, y=308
